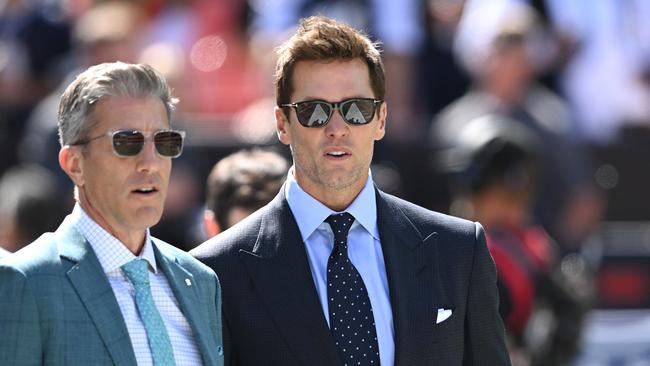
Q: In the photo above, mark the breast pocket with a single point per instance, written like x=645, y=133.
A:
x=445, y=324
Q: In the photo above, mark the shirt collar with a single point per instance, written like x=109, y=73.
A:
x=310, y=213
x=111, y=252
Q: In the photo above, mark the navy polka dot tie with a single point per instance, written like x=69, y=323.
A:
x=351, y=321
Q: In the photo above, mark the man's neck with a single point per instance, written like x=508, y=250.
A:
x=132, y=240
x=335, y=199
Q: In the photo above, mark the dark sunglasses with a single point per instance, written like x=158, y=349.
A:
x=317, y=113
x=169, y=143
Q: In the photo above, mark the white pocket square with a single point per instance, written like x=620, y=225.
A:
x=443, y=314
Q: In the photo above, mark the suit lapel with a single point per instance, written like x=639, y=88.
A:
x=411, y=260
x=88, y=279
x=187, y=298
x=280, y=272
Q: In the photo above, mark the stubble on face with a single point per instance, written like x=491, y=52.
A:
x=326, y=177
x=331, y=178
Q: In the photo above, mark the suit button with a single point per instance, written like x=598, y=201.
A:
x=220, y=350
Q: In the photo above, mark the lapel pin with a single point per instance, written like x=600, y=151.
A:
x=188, y=282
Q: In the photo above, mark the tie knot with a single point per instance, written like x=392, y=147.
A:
x=340, y=224
x=137, y=271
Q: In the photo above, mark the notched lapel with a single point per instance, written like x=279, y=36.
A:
x=89, y=281
x=280, y=273
x=412, y=269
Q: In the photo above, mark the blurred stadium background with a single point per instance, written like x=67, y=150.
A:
x=576, y=73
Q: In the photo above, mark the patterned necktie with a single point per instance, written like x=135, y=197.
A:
x=351, y=321
x=161, y=348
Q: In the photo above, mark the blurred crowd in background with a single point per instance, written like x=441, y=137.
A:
x=531, y=117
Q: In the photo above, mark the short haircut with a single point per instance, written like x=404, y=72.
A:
x=77, y=105
x=247, y=179
x=30, y=202
x=492, y=150
x=322, y=39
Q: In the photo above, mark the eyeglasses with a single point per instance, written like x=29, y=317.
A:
x=317, y=113
x=169, y=143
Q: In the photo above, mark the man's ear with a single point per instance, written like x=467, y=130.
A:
x=282, y=126
x=210, y=223
x=70, y=160
x=382, y=115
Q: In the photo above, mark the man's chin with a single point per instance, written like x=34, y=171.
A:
x=341, y=183
x=148, y=216
x=343, y=179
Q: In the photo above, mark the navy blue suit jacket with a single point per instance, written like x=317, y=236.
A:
x=272, y=314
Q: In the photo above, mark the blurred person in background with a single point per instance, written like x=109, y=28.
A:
x=607, y=74
x=239, y=185
x=441, y=78
x=35, y=38
x=493, y=170
x=105, y=32
x=504, y=49
x=30, y=205
x=101, y=289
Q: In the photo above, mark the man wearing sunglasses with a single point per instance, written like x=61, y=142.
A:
x=100, y=290
x=334, y=271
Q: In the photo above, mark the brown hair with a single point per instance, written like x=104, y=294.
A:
x=248, y=179
x=322, y=39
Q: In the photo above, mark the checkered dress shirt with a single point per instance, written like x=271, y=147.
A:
x=112, y=254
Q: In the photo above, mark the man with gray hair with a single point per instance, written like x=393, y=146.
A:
x=100, y=289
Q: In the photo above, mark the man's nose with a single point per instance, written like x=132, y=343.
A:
x=149, y=159
x=337, y=126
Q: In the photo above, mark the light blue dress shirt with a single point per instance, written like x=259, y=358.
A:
x=364, y=250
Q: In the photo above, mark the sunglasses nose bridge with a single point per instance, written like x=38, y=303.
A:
x=336, y=109
x=336, y=124
x=148, y=147
x=133, y=143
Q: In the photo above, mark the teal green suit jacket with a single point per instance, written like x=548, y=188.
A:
x=57, y=306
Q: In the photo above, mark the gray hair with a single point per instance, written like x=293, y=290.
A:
x=76, y=108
